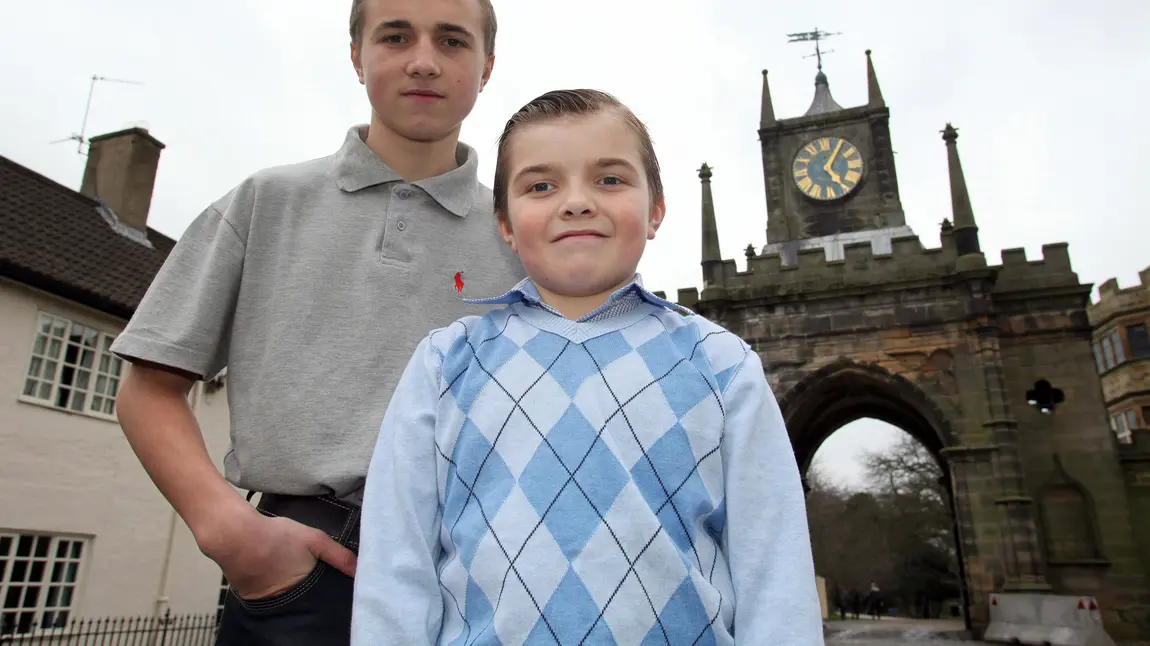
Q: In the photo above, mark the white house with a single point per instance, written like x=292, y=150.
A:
x=83, y=531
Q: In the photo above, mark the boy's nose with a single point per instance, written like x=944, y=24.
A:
x=577, y=204
x=424, y=60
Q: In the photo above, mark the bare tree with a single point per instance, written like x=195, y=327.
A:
x=897, y=533
x=909, y=481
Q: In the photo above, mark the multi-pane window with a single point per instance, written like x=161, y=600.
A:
x=1119, y=354
x=38, y=577
x=72, y=368
x=1098, y=359
x=1109, y=352
x=1139, y=341
x=1121, y=425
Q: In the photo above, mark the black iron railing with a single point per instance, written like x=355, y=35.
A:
x=169, y=630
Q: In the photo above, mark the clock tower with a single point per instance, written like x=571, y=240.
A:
x=830, y=174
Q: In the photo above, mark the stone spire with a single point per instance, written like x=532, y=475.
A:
x=823, y=101
x=712, y=256
x=768, y=108
x=874, y=92
x=965, y=230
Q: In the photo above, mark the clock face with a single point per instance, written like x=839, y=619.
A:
x=827, y=168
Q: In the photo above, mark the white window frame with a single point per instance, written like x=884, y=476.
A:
x=52, y=567
x=71, y=368
x=1119, y=349
x=1108, y=352
x=1118, y=423
x=1098, y=360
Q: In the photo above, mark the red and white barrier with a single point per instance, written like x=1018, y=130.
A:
x=1046, y=619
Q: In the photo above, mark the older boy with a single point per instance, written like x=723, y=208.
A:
x=312, y=283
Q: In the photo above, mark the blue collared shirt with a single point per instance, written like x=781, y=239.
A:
x=621, y=478
x=620, y=302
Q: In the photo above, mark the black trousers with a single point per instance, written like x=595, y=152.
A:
x=317, y=610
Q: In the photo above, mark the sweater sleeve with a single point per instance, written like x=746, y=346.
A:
x=766, y=539
x=397, y=599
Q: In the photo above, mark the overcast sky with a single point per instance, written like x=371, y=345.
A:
x=1049, y=97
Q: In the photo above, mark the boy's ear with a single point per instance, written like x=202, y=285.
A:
x=506, y=232
x=488, y=66
x=655, y=220
x=357, y=63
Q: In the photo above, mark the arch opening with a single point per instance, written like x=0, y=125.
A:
x=836, y=395
x=901, y=528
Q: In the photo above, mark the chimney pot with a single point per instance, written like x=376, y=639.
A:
x=121, y=172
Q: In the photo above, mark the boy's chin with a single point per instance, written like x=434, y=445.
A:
x=422, y=129
x=576, y=286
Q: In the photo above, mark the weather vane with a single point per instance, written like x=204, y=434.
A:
x=816, y=36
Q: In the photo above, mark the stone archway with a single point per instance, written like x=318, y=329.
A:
x=841, y=392
x=844, y=391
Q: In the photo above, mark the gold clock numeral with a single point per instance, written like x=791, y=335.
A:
x=812, y=149
x=805, y=185
x=854, y=164
x=800, y=173
x=850, y=152
x=801, y=161
x=816, y=191
x=852, y=177
x=824, y=144
x=831, y=193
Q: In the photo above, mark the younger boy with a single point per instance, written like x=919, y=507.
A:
x=589, y=464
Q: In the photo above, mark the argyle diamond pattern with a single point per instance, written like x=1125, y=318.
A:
x=582, y=474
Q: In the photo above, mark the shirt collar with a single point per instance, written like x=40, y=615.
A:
x=526, y=292
x=357, y=167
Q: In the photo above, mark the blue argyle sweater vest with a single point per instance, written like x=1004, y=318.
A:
x=581, y=479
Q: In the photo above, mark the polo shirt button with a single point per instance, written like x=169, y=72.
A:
x=400, y=225
x=404, y=194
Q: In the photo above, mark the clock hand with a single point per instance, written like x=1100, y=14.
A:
x=835, y=178
x=834, y=155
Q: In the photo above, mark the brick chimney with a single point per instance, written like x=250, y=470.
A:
x=121, y=172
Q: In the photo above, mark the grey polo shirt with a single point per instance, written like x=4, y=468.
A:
x=312, y=284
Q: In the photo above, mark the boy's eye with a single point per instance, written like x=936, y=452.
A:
x=539, y=187
x=392, y=38
x=612, y=180
x=454, y=42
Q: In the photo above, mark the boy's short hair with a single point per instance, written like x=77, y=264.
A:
x=489, y=24
x=563, y=103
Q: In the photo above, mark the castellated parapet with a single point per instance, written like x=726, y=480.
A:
x=1114, y=300
x=907, y=263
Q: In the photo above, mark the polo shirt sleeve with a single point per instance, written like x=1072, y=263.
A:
x=766, y=539
x=184, y=320
x=397, y=598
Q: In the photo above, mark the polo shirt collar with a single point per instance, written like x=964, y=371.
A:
x=357, y=167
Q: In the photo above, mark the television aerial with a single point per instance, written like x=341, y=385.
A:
x=81, y=139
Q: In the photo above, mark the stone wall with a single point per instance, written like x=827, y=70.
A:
x=949, y=356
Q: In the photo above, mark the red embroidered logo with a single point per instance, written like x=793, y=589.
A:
x=459, y=282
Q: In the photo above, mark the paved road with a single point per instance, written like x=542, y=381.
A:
x=894, y=632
